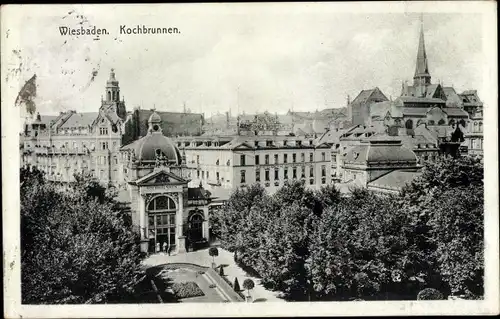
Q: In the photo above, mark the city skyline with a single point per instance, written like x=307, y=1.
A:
x=315, y=73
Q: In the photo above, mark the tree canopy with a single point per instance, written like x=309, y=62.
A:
x=318, y=245
x=75, y=246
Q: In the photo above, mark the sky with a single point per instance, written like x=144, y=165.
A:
x=243, y=58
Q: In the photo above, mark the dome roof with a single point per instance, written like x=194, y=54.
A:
x=155, y=144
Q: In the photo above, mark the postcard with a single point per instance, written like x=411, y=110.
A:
x=259, y=159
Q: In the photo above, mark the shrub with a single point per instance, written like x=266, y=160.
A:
x=248, y=284
x=212, y=286
x=236, y=285
x=221, y=271
x=430, y=294
x=186, y=290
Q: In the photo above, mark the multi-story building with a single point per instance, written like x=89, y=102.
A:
x=89, y=142
x=79, y=142
x=440, y=109
x=224, y=163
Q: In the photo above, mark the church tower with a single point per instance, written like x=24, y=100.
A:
x=422, y=78
x=112, y=100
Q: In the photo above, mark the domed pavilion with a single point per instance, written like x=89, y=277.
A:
x=170, y=216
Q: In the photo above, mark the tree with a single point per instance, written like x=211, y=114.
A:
x=236, y=285
x=359, y=249
x=229, y=220
x=430, y=294
x=264, y=122
x=214, y=252
x=74, y=249
x=457, y=231
x=248, y=285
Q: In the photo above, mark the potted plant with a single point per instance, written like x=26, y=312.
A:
x=248, y=284
x=214, y=252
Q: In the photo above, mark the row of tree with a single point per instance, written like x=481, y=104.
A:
x=319, y=245
x=77, y=245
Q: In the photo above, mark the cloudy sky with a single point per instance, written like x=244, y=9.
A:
x=277, y=56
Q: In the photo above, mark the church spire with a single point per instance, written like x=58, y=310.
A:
x=422, y=76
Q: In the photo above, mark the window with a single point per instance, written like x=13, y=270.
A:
x=267, y=175
x=285, y=142
x=275, y=158
x=269, y=143
x=294, y=158
x=323, y=171
x=257, y=175
x=162, y=203
x=242, y=160
x=311, y=157
x=303, y=172
x=441, y=122
x=198, y=174
x=197, y=159
x=276, y=174
x=242, y=177
x=480, y=126
x=202, y=174
x=116, y=159
x=285, y=158
x=299, y=143
x=114, y=145
x=409, y=124
x=217, y=176
x=257, y=160
x=294, y=173
x=303, y=157
x=208, y=174
x=266, y=158
x=104, y=145
x=285, y=173
x=103, y=131
x=311, y=171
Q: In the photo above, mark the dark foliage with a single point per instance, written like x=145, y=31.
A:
x=317, y=245
x=75, y=247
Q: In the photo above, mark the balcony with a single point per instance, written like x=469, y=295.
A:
x=60, y=150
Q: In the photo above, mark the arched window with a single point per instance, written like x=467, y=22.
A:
x=409, y=124
x=480, y=126
x=476, y=127
x=441, y=122
x=161, y=203
x=109, y=95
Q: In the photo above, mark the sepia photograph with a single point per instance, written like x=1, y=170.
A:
x=259, y=159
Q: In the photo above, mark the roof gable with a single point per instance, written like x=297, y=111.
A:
x=160, y=177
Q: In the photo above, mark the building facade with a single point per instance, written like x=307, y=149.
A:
x=440, y=109
x=224, y=163
x=169, y=215
x=89, y=142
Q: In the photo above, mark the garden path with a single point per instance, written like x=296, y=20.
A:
x=231, y=270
